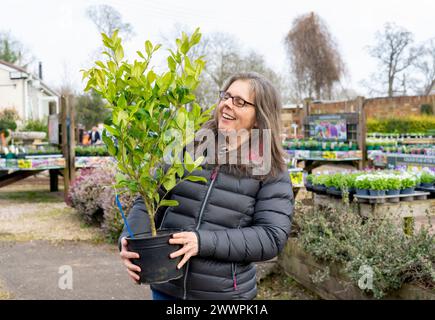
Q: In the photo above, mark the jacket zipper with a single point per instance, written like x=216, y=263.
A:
x=234, y=271
x=204, y=202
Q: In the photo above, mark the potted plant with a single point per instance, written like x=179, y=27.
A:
x=377, y=185
x=319, y=183
x=309, y=182
x=393, y=185
x=353, y=145
x=427, y=179
x=148, y=113
x=362, y=185
x=408, y=183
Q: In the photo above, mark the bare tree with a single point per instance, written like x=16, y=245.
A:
x=425, y=64
x=395, y=55
x=224, y=57
x=107, y=19
x=315, y=61
x=13, y=51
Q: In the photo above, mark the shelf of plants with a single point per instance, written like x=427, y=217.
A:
x=19, y=158
x=375, y=186
x=311, y=149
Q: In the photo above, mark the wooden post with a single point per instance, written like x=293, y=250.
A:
x=64, y=143
x=362, y=131
x=68, y=141
x=72, y=141
x=305, y=114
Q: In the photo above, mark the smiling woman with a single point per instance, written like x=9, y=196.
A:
x=238, y=217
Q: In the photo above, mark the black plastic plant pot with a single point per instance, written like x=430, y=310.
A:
x=393, y=192
x=154, y=261
x=377, y=193
x=407, y=191
x=362, y=192
x=426, y=185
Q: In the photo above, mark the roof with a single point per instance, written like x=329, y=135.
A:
x=21, y=69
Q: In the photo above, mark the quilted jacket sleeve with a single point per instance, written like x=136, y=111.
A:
x=267, y=235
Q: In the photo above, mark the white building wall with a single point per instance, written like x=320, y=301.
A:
x=11, y=93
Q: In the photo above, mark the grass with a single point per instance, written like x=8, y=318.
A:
x=40, y=196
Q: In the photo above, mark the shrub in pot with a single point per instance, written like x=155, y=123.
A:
x=319, y=182
x=427, y=179
x=408, y=183
x=393, y=185
x=362, y=185
x=149, y=117
x=378, y=185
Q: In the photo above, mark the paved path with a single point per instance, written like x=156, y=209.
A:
x=33, y=270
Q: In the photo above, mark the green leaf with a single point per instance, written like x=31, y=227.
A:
x=169, y=182
x=110, y=145
x=172, y=64
x=113, y=131
x=169, y=203
x=196, y=179
x=122, y=103
x=148, y=47
x=100, y=64
x=151, y=76
x=199, y=161
x=180, y=119
x=188, y=162
x=140, y=54
x=119, y=53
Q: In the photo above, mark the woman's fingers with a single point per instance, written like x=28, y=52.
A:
x=178, y=253
x=126, y=255
x=183, y=261
x=134, y=276
x=129, y=255
x=131, y=266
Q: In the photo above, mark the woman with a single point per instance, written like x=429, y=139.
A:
x=238, y=217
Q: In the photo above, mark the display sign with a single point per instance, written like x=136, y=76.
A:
x=328, y=127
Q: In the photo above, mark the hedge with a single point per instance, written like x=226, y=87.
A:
x=411, y=124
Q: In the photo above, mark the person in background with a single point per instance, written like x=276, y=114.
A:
x=95, y=135
x=86, y=139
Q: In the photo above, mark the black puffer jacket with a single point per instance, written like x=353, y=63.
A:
x=238, y=220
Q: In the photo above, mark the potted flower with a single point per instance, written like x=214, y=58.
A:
x=309, y=182
x=362, y=185
x=427, y=179
x=393, y=185
x=408, y=183
x=377, y=185
x=148, y=112
x=319, y=183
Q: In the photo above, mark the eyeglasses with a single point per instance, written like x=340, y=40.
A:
x=237, y=101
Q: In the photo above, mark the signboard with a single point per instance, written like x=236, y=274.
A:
x=328, y=127
x=53, y=129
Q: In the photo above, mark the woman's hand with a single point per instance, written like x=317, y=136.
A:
x=189, y=241
x=125, y=257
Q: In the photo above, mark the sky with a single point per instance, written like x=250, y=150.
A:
x=59, y=33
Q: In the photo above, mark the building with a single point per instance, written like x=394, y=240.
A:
x=26, y=93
